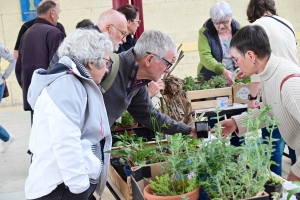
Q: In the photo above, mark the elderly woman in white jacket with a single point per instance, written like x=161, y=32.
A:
x=70, y=120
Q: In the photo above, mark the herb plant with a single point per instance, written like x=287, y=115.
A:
x=180, y=166
x=134, y=151
x=218, y=81
x=126, y=120
x=243, y=81
x=190, y=84
x=230, y=172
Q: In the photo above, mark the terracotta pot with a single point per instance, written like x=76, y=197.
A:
x=129, y=129
x=148, y=194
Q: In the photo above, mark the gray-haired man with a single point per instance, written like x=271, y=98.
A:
x=150, y=58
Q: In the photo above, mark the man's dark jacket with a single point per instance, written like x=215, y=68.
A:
x=38, y=44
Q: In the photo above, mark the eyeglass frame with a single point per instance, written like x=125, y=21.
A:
x=169, y=64
x=138, y=21
x=109, y=63
x=124, y=34
x=235, y=60
x=223, y=22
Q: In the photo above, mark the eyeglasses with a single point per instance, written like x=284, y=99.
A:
x=223, y=22
x=138, y=21
x=235, y=60
x=109, y=62
x=124, y=34
x=169, y=64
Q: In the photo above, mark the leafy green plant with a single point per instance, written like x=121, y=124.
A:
x=200, y=78
x=126, y=120
x=243, y=81
x=134, y=151
x=190, y=84
x=205, y=86
x=240, y=172
x=218, y=81
x=180, y=165
x=166, y=185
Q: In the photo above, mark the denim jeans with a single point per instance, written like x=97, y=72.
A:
x=278, y=147
x=4, y=136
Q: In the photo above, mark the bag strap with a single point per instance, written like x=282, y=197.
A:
x=106, y=84
x=286, y=78
x=283, y=24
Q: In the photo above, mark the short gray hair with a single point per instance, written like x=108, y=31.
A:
x=154, y=41
x=86, y=45
x=44, y=7
x=220, y=11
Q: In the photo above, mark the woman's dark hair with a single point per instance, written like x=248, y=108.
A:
x=85, y=23
x=257, y=8
x=129, y=11
x=252, y=38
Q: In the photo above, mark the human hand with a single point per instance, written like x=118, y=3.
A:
x=228, y=76
x=194, y=132
x=240, y=75
x=292, y=177
x=228, y=127
x=155, y=87
x=253, y=104
x=3, y=81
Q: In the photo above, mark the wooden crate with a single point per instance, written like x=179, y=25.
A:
x=199, y=98
x=125, y=188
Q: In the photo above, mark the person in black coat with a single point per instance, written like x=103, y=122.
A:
x=38, y=44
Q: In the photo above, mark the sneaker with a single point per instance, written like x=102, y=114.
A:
x=6, y=145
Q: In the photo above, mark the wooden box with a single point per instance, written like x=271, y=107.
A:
x=201, y=99
x=240, y=93
x=124, y=187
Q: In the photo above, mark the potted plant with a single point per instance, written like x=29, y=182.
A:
x=131, y=151
x=237, y=172
x=179, y=177
x=127, y=123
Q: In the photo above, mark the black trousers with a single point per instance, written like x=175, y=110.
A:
x=62, y=192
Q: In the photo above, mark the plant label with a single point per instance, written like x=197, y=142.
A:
x=222, y=102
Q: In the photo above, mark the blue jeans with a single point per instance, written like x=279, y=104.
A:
x=278, y=147
x=4, y=136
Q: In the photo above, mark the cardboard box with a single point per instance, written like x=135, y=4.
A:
x=240, y=93
x=201, y=99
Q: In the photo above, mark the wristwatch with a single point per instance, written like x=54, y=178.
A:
x=251, y=97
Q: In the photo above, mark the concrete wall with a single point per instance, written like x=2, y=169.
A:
x=179, y=18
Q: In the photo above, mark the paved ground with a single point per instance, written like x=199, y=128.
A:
x=14, y=163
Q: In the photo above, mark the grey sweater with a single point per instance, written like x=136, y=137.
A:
x=124, y=94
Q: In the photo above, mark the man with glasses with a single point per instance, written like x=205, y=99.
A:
x=114, y=24
x=111, y=22
x=147, y=61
